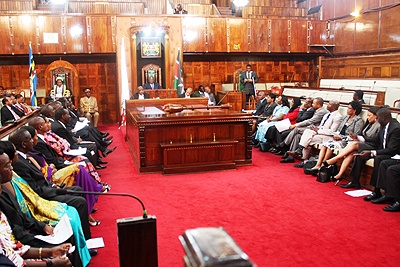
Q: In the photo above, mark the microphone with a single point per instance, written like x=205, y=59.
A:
x=66, y=192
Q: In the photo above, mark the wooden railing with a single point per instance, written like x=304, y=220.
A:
x=106, y=7
x=276, y=11
x=14, y=5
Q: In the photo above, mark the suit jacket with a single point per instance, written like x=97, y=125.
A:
x=136, y=96
x=34, y=177
x=49, y=153
x=58, y=129
x=305, y=114
x=19, y=110
x=315, y=119
x=356, y=125
x=20, y=222
x=392, y=139
x=248, y=87
x=260, y=107
x=6, y=115
x=183, y=12
x=148, y=86
x=269, y=109
x=330, y=123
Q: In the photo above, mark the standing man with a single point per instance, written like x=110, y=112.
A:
x=151, y=84
x=249, y=79
x=88, y=107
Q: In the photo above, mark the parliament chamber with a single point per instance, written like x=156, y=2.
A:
x=298, y=48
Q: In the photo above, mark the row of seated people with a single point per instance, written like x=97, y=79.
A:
x=188, y=93
x=36, y=167
x=311, y=124
x=13, y=108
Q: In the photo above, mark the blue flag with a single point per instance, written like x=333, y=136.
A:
x=32, y=78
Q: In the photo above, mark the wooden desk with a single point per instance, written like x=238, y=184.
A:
x=184, y=142
x=162, y=93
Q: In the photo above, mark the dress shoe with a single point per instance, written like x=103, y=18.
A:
x=93, y=252
x=395, y=207
x=108, y=138
x=94, y=210
x=273, y=150
x=277, y=146
x=285, y=156
x=372, y=196
x=280, y=153
x=107, y=151
x=300, y=165
x=106, y=134
x=350, y=185
x=100, y=167
x=99, y=161
x=297, y=153
x=107, y=143
x=311, y=171
x=383, y=200
x=287, y=160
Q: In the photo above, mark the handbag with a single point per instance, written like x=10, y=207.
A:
x=325, y=174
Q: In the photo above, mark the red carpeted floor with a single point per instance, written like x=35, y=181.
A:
x=278, y=215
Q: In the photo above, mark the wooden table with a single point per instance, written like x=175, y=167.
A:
x=194, y=140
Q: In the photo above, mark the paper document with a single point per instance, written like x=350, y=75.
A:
x=82, y=163
x=95, y=243
x=61, y=233
x=283, y=125
x=358, y=193
x=396, y=157
x=77, y=152
x=80, y=125
x=152, y=111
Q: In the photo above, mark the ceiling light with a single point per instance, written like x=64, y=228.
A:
x=355, y=13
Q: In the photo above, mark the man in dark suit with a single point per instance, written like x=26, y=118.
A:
x=262, y=101
x=249, y=79
x=62, y=118
x=9, y=113
x=388, y=143
x=23, y=142
x=151, y=84
x=140, y=94
x=187, y=94
x=179, y=9
x=267, y=112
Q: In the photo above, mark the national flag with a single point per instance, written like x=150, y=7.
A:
x=124, y=83
x=178, y=85
x=32, y=78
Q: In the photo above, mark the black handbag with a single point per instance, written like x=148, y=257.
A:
x=325, y=174
x=309, y=165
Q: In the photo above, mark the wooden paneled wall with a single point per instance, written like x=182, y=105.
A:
x=200, y=9
x=76, y=34
x=376, y=67
x=101, y=77
x=205, y=72
x=251, y=35
x=17, y=5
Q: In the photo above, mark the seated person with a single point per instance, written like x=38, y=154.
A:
x=21, y=106
x=351, y=123
x=200, y=92
x=59, y=90
x=268, y=110
x=358, y=96
x=29, y=214
x=279, y=112
x=88, y=107
x=292, y=115
x=319, y=134
x=9, y=113
x=151, y=84
x=187, y=94
x=179, y=9
x=296, y=130
x=70, y=175
x=262, y=101
x=210, y=96
x=140, y=94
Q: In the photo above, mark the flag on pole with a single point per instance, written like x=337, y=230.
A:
x=178, y=75
x=32, y=78
x=124, y=83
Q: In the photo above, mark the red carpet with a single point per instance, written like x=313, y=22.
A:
x=276, y=214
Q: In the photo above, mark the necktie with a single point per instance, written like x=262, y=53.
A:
x=385, y=135
x=327, y=118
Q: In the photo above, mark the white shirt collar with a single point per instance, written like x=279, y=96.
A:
x=41, y=136
x=22, y=154
x=62, y=124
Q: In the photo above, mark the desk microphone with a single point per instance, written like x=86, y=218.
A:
x=66, y=192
